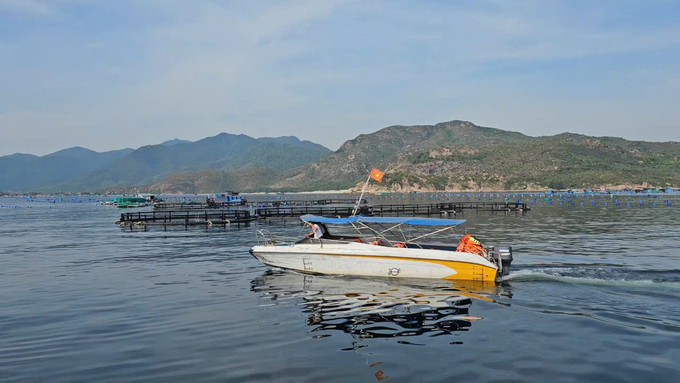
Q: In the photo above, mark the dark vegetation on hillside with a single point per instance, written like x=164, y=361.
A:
x=25, y=172
x=79, y=169
x=459, y=155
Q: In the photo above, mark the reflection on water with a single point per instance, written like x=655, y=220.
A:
x=377, y=308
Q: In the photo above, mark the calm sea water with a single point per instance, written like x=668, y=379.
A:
x=594, y=296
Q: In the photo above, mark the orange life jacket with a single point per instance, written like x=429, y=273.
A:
x=400, y=244
x=469, y=244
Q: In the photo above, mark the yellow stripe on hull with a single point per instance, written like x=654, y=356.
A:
x=461, y=270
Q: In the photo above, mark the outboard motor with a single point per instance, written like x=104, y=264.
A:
x=503, y=256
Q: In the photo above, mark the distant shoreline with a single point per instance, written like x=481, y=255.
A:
x=370, y=191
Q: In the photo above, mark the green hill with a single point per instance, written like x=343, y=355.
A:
x=249, y=179
x=25, y=172
x=224, y=152
x=79, y=169
x=459, y=155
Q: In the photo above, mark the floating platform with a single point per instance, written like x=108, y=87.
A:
x=447, y=208
x=258, y=204
x=196, y=205
x=298, y=211
x=206, y=218
x=440, y=209
x=305, y=202
x=242, y=215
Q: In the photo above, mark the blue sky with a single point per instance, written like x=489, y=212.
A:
x=113, y=74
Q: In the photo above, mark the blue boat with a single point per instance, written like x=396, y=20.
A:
x=230, y=198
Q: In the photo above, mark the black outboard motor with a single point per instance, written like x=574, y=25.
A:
x=503, y=256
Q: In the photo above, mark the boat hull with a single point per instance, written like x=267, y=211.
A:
x=366, y=260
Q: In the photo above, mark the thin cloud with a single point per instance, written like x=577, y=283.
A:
x=328, y=71
x=32, y=7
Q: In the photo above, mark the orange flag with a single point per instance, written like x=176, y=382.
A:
x=377, y=174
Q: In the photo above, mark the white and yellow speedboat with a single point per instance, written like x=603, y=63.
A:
x=381, y=247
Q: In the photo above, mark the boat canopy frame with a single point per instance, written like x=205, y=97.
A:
x=413, y=221
x=359, y=224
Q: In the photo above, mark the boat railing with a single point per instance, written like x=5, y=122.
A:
x=265, y=238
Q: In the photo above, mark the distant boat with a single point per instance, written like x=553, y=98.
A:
x=129, y=202
x=229, y=198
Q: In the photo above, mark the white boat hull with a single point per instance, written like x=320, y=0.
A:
x=366, y=260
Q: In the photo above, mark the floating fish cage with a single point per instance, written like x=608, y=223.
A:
x=184, y=219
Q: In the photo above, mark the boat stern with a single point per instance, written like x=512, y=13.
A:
x=502, y=256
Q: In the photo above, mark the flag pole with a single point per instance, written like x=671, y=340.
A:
x=361, y=196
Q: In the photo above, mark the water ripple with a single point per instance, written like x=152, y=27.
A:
x=592, y=297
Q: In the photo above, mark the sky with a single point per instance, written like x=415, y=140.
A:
x=113, y=74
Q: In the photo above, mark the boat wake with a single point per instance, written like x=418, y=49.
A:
x=596, y=275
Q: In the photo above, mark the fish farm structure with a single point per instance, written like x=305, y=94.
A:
x=197, y=214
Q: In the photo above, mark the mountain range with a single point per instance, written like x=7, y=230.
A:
x=458, y=156
x=26, y=172
x=455, y=155
x=80, y=169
